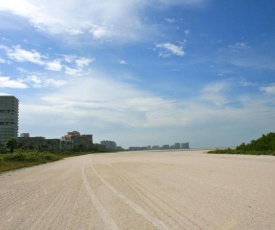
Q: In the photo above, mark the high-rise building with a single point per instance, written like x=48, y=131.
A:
x=8, y=118
x=185, y=145
x=177, y=145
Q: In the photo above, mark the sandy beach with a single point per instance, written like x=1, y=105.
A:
x=142, y=190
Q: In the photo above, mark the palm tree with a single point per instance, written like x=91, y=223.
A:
x=11, y=144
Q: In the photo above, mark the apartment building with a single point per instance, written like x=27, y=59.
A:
x=75, y=139
x=8, y=118
x=38, y=142
x=109, y=145
x=184, y=145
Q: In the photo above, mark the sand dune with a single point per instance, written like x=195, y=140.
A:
x=142, y=190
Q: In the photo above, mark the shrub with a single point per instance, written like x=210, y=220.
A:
x=50, y=157
x=31, y=157
x=265, y=145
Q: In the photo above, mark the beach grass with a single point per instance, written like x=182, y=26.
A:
x=20, y=159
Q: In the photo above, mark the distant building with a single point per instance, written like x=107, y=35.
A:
x=138, y=148
x=100, y=147
x=70, y=141
x=75, y=139
x=177, y=146
x=133, y=148
x=165, y=147
x=155, y=147
x=24, y=135
x=41, y=143
x=31, y=142
x=119, y=148
x=8, y=118
x=109, y=145
x=184, y=145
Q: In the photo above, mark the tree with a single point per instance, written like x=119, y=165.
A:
x=11, y=144
x=264, y=143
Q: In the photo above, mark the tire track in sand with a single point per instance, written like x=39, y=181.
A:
x=107, y=219
x=25, y=208
x=155, y=202
x=159, y=224
x=64, y=193
x=54, y=207
x=16, y=198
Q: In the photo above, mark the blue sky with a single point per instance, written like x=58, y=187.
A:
x=141, y=72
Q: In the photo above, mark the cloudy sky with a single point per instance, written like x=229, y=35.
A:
x=141, y=72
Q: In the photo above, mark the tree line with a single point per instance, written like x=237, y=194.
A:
x=265, y=145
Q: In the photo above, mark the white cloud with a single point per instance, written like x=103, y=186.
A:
x=100, y=98
x=69, y=58
x=100, y=32
x=122, y=62
x=83, y=62
x=2, y=61
x=187, y=32
x=253, y=61
x=75, y=32
x=243, y=82
x=98, y=104
x=42, y=81
x=7, y=82
x=54, y=65
x=34, y=80
x=75, y=64
x=214, y=93
x=169, y=48
x=170, y=20
x=242, y=55
x=215, y=87
x=102, y=19
x=269, y=89
x=21, y=55
x=55, y=82
x=73, y=71
x=238, y=46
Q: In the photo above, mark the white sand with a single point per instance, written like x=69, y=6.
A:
x=142, y=190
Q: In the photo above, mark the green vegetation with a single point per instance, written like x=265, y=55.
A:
x=265, y=145
x=27, y=158
x=20, y=159
x=11, y=144
x=15, y=156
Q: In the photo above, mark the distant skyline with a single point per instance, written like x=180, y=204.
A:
x=141, y=72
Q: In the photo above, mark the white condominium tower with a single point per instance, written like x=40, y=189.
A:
x=8, y=118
